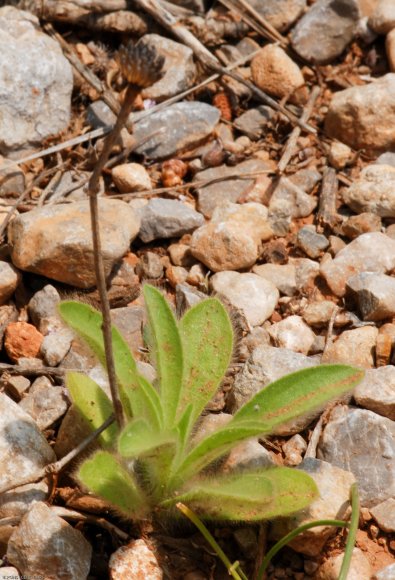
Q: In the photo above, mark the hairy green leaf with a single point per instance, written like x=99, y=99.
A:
x=296, y=394
x=207, y=339
x=93, y=404
x=166, y=347
x=106, y=477
x=138, y=438
x=138, y=396
x=251, y=496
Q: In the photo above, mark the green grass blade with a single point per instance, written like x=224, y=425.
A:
x=104, y=475
x=352, y=534
x=138, y=397
x=207, y=339
x=138, y=438
x=298, y=393
x=251, y=496
x=166, y=347
x=93, y=404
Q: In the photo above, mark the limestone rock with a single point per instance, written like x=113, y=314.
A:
x=390, y=49
x=36, y=82
x=292, y=333
x=350, y=117
x=312, y=243
x=363, y=443
x=167, y=218
x=280, y=13
x=274, y=72
x=18, y=501
x=354, y=347
x=255, y=296
x=365, y=222
x=384, y=514
x=382, y=19
x=288, y=201
x=231, y=240
x=283, y=276
x=56, y=240
x=372, y=252
x=387, y=573
x=135, y=560
x=373, y=192
x=376, y=391
x=43, y=309
x=45, y=403
x=130, y=177
x=325, y=30
x=359, y=567
x=67, y=553
x=18, y=431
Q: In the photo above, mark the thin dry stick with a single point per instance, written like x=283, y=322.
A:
x=247, y=19
x=290, y=147
x=263, y=22
x=74, y=515
x=93, y=190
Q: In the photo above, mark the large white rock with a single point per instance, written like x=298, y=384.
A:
x=56, y=240
x=36, y=82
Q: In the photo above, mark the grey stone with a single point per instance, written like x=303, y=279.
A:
x=310, y=242
x=167, y=218
x=376, y=391
x=255, y=296
x=187, y=296
x=371, y=252
x=56, y=240
x=373, y=192
x=254, y=121
x=280, y=13
x=306, y=272
x=17, y=502
x=387, y=158
x=36, y=82
x=288, y=201
x=349, y=117
x=150, y=266
x=44, y=545
x=325, y=30
x=12, y=178
x=356, y=225
x=384, y=514
x=129, y=321
x=43, y=309
x=211, y=196
x=293, y=450
x=178, y=70
x=374, y=294
x=55, y=346
x=9, y=280
x=306, y=179
x=45, y=403
x=182, y=126
x=99, y=115
x=382, y=19
x=334, y=492
x=23, y=449
x=16, y=386
x=283, y=276
x=265, y=365
x=292, y=333
x=363, y=443
x=387, y=573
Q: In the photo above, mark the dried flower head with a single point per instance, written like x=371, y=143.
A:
x=140, y=64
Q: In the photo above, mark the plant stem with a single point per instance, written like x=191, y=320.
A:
x=352, y=534
x=233, y=569
x=93, y=190
x=281, y=543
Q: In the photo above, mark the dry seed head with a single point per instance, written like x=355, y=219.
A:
x=140, y=64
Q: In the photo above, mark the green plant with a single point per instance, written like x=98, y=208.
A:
x=154, y=462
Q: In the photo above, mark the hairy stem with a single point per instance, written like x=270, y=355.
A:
x=93, y=190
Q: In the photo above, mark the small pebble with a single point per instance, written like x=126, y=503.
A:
x=131, y=177
x=22, y=340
